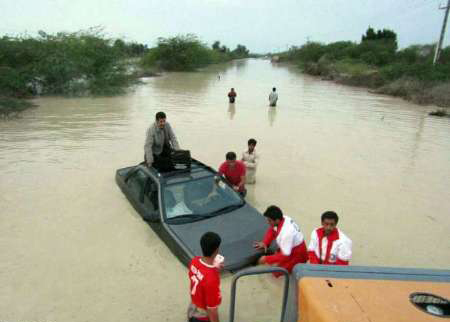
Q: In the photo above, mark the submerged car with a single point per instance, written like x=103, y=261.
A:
x=181, y=205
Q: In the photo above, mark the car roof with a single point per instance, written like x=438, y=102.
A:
x=181, y=174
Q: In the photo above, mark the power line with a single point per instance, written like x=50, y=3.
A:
x=441, y=38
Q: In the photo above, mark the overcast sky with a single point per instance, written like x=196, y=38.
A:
x=261, y=25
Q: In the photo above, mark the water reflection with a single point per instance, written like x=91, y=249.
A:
x=241, y=63
x=272, y=115
x=231, y=110
x=186, y=88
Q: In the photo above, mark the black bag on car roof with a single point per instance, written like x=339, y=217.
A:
x=181, y=157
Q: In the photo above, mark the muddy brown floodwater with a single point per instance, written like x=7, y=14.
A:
x=73, y=249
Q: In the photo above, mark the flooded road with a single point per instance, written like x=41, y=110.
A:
x=73, y=249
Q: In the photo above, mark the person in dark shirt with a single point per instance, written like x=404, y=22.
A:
x=232, y=95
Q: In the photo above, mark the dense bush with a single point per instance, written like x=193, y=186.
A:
x=377, y=50
x=65, y=63
x=187, y=52
x=12, y=106
x=376, y=63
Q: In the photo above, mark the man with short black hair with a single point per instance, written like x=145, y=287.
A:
x=289, y=238
x=328, y=244
x=232, y=95
x=234, y=171
x=205, y=281
x=250, y=159
x=273, y=97
x=159, y=143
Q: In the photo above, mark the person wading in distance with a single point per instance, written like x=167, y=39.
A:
x=232, y=95
x=273, y=97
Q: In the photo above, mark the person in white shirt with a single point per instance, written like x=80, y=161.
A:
x=328, y=244
x=250, y=159
x=273, y=97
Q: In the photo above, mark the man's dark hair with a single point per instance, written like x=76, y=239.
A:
x=273, y=212
x=230, y=156
x=274, y=89
x=330, y=215
x=210, y=242
x=160, y=115
x=252, y=141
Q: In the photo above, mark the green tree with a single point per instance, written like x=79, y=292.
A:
x=240, y=52
x=216, y=45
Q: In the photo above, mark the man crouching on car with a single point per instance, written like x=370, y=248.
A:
x=291, y=244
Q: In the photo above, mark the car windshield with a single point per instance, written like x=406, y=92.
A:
x=200, y=198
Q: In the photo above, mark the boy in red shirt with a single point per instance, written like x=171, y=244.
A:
x=205, y=281
x=234, y=171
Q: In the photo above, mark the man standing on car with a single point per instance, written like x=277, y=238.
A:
x=328, y=244
x=159, y=143
x=204, y=280
x=291, y=244
x=234, y=171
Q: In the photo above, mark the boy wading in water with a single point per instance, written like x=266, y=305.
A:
x=232, y=95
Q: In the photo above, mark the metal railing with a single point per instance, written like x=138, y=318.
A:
x=258, y=271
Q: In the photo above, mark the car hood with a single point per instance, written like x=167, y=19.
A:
x=238, y=230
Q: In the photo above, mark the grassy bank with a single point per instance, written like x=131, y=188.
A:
x=12, y=106
x=376, y=63
x=187, y=53
x=80, y=63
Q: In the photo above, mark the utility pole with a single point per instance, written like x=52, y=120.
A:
x=441, y=39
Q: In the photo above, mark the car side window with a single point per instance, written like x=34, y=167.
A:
x=137, y=181
x=151, y=199
x=145, y=189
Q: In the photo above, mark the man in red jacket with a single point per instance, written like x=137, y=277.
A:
x=289, y=238
x=328, y=244
x=205, y=281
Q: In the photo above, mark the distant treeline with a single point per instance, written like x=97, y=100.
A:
x=377, y=63
x=88, y=63
x=187, y=52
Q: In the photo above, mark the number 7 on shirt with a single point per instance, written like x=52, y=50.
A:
x=195, y=281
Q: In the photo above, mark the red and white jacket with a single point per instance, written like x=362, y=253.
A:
x=287, y=234
x=334, y=249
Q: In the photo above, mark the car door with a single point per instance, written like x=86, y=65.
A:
x=145, y=193
x=146, y=197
